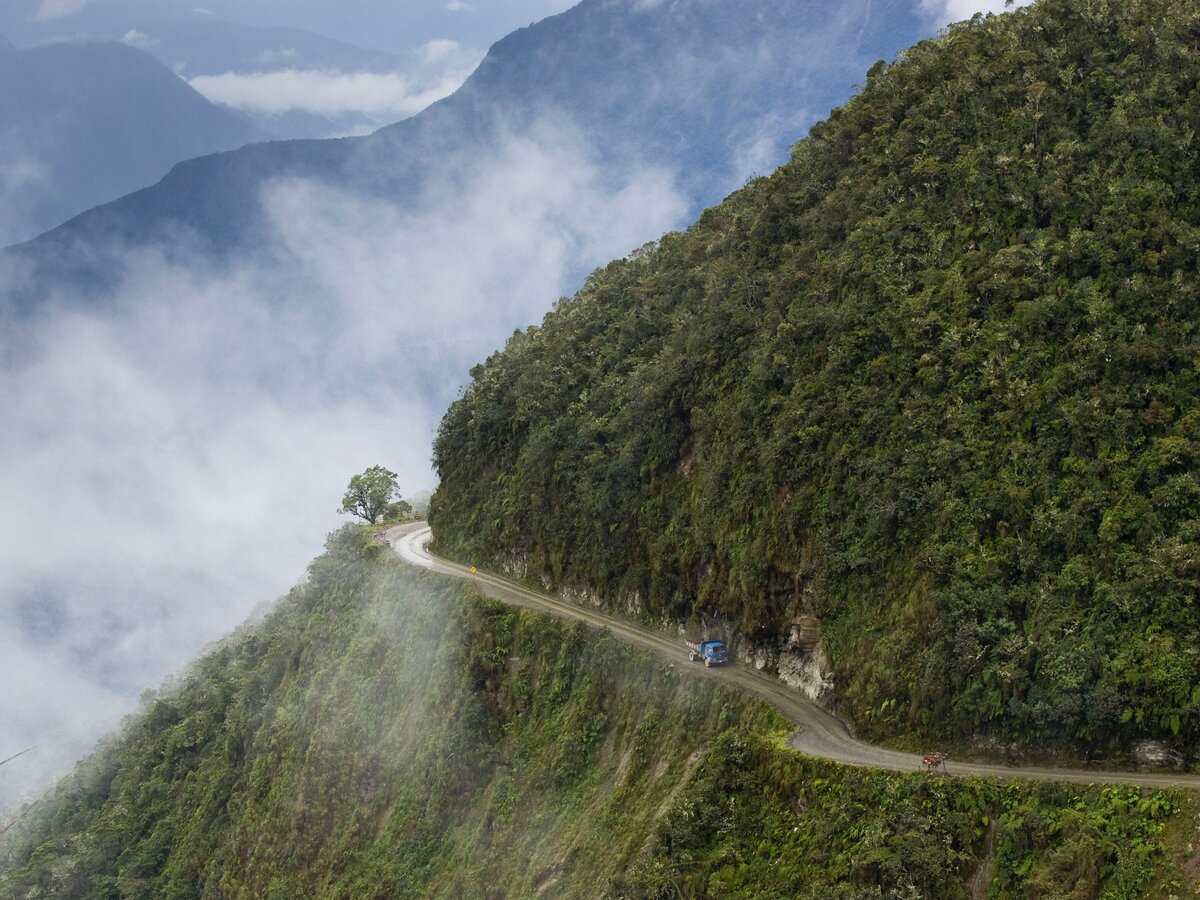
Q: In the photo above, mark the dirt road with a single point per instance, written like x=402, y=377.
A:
x=818, y=733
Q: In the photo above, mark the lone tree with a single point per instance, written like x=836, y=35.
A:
x=373, y=495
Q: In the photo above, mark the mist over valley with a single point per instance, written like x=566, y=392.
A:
x=193, y=371
x=767, y=438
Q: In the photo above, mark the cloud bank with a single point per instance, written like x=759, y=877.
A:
x=175, y=459
x=328, y=93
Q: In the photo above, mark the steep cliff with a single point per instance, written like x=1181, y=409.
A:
x=931, y=388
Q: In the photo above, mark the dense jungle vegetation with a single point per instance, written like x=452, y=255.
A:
x=935, y=380
x=387, y=734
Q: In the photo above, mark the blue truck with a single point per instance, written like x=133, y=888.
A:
x=713, y=653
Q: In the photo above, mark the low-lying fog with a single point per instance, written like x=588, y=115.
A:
x=174, y=461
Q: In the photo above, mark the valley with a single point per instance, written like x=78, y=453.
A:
x=836, y=539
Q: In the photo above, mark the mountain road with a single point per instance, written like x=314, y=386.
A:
x=819, y=733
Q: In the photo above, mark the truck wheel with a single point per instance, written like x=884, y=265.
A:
x=708, y=664
x=691, y=656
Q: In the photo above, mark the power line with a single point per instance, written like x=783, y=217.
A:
x=15, y=755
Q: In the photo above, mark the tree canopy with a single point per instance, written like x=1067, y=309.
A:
x=374, y=495
x=934, y=382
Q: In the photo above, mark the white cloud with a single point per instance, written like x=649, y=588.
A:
x=142, y=41
x=57, y=9
x=438, y=49
x=956, y=10
x=173, y=456
x=23, y=179
x=459, y=6
x=327, y=93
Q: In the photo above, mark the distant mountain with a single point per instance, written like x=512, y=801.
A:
x=709, y=90
x=194, y=43
x=82, y=124
x=198, y=44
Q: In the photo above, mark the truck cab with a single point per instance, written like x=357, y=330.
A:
x=713, y=653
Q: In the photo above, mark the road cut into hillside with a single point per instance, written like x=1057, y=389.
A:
x=819, y=733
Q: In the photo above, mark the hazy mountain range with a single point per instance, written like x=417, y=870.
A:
x=369, y=25
x=289, y=81
x=710, y=92
x=83, y=124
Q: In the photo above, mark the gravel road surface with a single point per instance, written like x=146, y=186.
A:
x=818, y=732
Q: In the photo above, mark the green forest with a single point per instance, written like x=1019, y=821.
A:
x=935, y=380
x=935, y=383
x=385, y=733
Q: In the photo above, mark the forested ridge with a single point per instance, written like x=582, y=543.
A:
x=384, y=733
x=933, y=382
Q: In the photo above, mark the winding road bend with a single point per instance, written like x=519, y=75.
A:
x=818, y=732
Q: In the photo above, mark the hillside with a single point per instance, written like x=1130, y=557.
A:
x=84, y=123
x=382, y=734
x=350, y=286
x=916, y=415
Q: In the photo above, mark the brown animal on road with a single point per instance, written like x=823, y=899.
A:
x=935, y=762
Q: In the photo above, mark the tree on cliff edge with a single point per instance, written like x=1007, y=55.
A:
x=374, y=495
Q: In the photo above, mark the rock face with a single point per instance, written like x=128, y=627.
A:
x=810, y=672
x=806, y=632
x=802, y=664
x=805, y=670
x=1157, y=754
x=582, y=596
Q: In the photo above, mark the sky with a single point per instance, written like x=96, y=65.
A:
x=393, y=25
x=437, y=42
x=174, y=460
x=945, y=11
